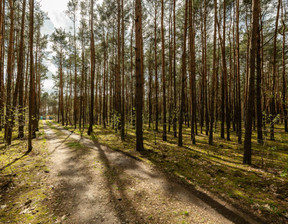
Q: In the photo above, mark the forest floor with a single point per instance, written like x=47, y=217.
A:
x=260, y=189
x=69, y=178
x=94, y=184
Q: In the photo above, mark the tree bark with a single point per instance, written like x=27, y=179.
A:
x=31, y=90
x=284, y=87
x=118, y=73
x=156, y=69
x=258, y=86
x=213, y=77
x=139, y=76
x=273, y=99
x=2, y=55
x=183, y=78
x=164, y=137
x=174, y=71
x=238, y=85
x=10, y=62
x=123, y=71
x=251, y=83
x=192, y=73
x=21, y=75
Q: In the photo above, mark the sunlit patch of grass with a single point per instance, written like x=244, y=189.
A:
x=75, y=145
x=22, y=191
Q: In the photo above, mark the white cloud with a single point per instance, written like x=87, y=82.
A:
x=48, y=85
x=48, y=27
x=56, y=12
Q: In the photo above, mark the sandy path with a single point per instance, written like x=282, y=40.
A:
x=94, y=184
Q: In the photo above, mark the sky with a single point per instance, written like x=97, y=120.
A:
x=57, y=18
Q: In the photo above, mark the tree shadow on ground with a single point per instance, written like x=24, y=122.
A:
x=77, y=181
x=116, y=187
x=121, y=201
x=14, y=161
x=229, y=213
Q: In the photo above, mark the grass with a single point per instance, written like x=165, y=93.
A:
x=217, y=168
x=75, y=145
x=22, y=191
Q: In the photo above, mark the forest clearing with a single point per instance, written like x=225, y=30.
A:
x=143, y=111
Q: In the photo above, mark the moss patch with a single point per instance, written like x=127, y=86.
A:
x=23, y=191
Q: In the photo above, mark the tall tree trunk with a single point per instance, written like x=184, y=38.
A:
x=251, y=83
x=205, y=69
x=174, y=71
x=10, y=62
x=123, y=71
x=131, y=75
x=150, y=86
x=21, y=75
x=284, y=88
x=170, y=98
x=118, y=73
x=163, y=73
x=273, y=99
x=226, y=75
x=139, y=76
x=225, y=115
x=31, y=90
x=75, y=73
x=213, y=77
x=156, y=69
x=104, y=84
x=61, y=88
x=258, y=85
x=192, y=73
x=2, y=54
x=183, y=78
x=238, y=87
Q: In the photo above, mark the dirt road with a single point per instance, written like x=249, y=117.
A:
x=93, y=184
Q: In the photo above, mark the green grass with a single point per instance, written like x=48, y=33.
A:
x=75, y=145
x=22, y=192
x=218, y=168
